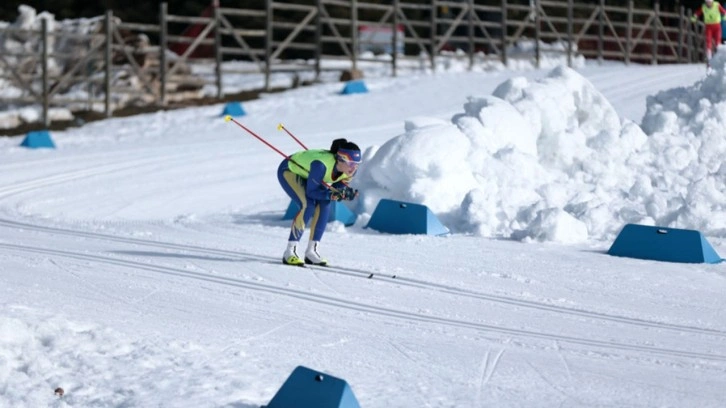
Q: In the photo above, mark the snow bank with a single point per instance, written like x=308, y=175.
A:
x=551, y=160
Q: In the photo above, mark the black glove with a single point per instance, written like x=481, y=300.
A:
x=348, y=193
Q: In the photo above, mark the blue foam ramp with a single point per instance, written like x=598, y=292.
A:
x=233, y=109
x=354, y=87
x=38, y=138
x=663, y=244
x=338, y=212
x=398, y=217
x=307, y=388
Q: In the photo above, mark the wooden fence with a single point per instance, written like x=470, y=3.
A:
x=125, y=63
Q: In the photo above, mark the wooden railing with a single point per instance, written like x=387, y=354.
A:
x=300, y=35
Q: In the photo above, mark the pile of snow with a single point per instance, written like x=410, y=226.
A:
x=551, y=160
x=686, y=128
x=99, y=366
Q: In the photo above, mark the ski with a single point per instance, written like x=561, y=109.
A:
x=342, y=270
x=350, y=271
x=288, y=264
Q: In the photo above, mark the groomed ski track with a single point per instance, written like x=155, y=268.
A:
x=405, y=286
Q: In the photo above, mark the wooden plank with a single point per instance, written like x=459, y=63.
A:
x=242, y=32
x=21, y=83
x=237, y=51
x=227, y=11
x=152, y=28
x=132, y=61
x=337, y=37
x=177, y=39
x=295, y=7
x=297, y=30
x=189, y=20
x=374, y=6
x=340, y=3
x=238, y=37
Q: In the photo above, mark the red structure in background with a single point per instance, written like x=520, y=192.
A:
x=192, y=31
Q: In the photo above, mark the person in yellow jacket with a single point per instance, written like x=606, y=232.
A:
x=313, y=179
x=711, y=12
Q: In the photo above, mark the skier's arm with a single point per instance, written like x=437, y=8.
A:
x=315, y=189
x=721, y=9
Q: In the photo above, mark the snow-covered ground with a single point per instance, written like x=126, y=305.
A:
x=139, y=261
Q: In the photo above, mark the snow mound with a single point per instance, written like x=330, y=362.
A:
x=513, y=164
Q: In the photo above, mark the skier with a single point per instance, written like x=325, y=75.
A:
x=313, y=179
x=711, y=12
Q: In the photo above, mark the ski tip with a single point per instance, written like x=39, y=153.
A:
x=292, y=264
x=296, y=265
x=227, y=118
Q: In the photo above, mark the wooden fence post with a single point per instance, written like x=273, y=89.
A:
x=504, y=32
x=601, y=33
x=268, y=42
x=656, y=19
x=108, y=53
x=163, y=45
x=318, y=38
x=434, y=16
x=354, y=33
x=537, y=34
x=570, y=34
x=470, y=33
x=394, y=37
x=217, y=49
x=44, y=70
x=681, y=38
x=629, y=33
x=689, y=40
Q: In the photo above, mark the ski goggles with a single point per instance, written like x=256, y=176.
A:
x=350, y=157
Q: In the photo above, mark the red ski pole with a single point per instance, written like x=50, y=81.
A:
x=229, y=118
x=282, y=127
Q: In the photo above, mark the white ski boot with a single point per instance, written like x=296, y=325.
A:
x=312, y=257
x=290, y=256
